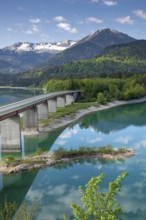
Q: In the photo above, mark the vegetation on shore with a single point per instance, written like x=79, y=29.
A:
x=110, y=88
x=101, y=151
x=61, y=155
x=68, y=110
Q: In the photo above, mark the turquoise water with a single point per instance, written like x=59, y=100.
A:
x=56, y=187
x=9, y=95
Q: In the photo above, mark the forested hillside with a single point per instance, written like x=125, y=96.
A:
x=119, y=61
x=116, y=62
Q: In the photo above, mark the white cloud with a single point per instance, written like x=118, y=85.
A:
x=35, y=21
x=93, y=141
x=142, y=143
x=28, y=32
x=76, y=177
x=94, y=1
x=67, y=27
x=9, y=29
x=61, y=142
x=108, y=3
x=59, y=18
x=34, y=29
x=68, y=134
x=123, y=140
x=140, y=13
x=94, y=20
x=125, y=20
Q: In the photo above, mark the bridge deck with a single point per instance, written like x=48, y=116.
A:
x=18, y=107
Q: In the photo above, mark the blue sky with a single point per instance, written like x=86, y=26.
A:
x=55, y=20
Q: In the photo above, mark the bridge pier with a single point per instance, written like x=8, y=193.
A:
x=52, y=105
x=10, y=134
x=42, y=110
x=60, y=101
x=69, y=99
x=32, y=110
x=75, y=96
x=31, y=119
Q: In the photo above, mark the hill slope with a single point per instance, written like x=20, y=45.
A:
x=90, y=46
x=23, y=55
x=115, y=61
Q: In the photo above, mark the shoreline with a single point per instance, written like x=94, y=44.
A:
x=55, y=124
x=48, y=160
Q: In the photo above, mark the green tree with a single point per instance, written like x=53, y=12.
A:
x=98, y=205
x=101, y=98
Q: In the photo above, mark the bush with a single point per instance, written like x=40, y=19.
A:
x=9, y=160
x=98, y=205
x=39, y=151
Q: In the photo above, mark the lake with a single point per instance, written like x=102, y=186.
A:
x=56, y=187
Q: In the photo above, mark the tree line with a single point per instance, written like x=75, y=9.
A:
x=105, y=89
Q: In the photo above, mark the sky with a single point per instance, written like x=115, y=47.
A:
x=38, y=21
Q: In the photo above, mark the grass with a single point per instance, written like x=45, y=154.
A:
x=87, y=151
x=68, y=110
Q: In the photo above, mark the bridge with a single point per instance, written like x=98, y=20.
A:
x=33, y=109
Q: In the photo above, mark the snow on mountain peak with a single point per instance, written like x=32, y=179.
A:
x=54, y=47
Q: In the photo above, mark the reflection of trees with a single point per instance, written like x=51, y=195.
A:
x=89, y=160
x=43, y=141
x=15, y=187
x=115, y=118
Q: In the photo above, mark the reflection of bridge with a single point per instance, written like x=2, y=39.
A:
x=34, y=108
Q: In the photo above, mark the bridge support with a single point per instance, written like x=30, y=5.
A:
x=52, y=105
x=42, y=110
x=60, y=101
x=75, y=96
x=10, y=134
x=31, y=119
x=69, y=99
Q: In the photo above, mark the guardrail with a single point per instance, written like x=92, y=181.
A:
x=20, y=106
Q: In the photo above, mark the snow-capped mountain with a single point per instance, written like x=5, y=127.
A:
x=24, y=55
x=90, y=46
x=54, y=47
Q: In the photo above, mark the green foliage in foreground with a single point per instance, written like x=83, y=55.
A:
x=87, y=151
x=98, y=205
x=8, y=210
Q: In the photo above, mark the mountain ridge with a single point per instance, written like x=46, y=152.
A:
x=90, y=46
x=22, y=56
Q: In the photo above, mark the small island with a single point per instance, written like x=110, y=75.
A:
x=61, y=155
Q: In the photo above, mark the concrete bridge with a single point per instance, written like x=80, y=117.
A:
x=33, y=109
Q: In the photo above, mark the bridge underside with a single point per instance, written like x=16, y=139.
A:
x=10, y=128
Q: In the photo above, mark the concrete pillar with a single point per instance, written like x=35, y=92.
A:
x=52, y=105
x=69, y=99
x=60, y=101
x=75, y=96
x=42, y=110
x=31, y=119
x=11, y=134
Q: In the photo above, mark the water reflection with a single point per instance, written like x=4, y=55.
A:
x=56, y=187
x=115, y=119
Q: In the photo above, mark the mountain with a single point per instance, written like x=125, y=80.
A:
x=23, y=55
x=90, y=46
x=117, y=61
